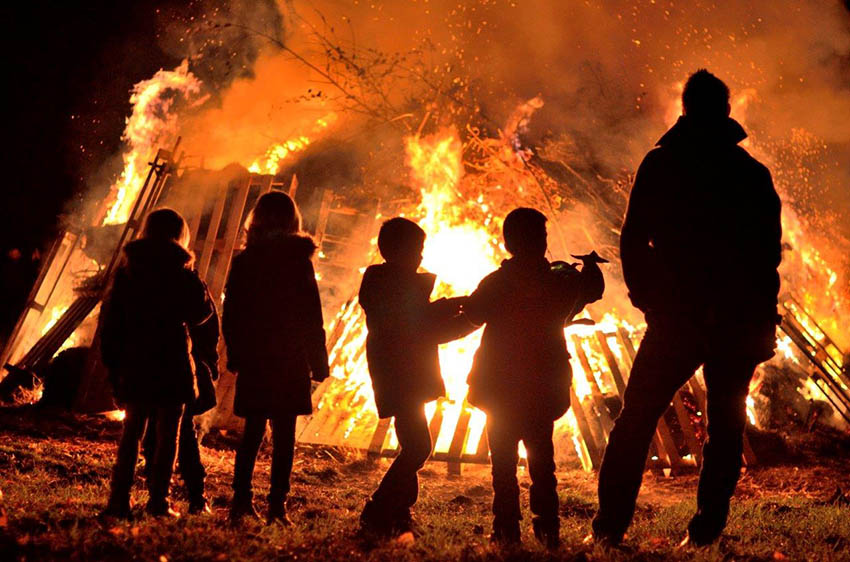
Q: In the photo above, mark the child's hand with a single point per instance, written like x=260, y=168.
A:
x=321, y=375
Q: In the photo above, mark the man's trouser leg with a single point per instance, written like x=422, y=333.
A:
x=399, y=488
x=167, y=419
x=727, y=383
x=543, y=494
x=283, y=452
x=503, y=437
x=664, y=362
x=128, y=453
x=189, y=458
x=246, y=457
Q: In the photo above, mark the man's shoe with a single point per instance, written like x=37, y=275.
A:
x=242, y=508
x=547, y=533
x=704, y=529
x=277, y=514
x=375, y=519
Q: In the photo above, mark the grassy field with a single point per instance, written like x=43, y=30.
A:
x=54, y=477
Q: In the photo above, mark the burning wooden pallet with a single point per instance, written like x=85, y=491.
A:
x=602, y=355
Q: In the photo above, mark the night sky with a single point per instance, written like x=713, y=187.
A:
x=69, y=71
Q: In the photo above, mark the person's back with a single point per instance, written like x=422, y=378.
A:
x=145, y=341
x=710, y=210
x=405, y=328
x=522, y=365
x=521, y=373
x=700, y=247
x=272, y=325
x=272, y=317
x=146, y=319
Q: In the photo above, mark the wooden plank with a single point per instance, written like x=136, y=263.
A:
x=626, y=342
x=376, y=446
x=687, y=428
x=458, y=441
x=603, y=415
x=664, y=443
x=212, y=232
x=482, y=453
x=194, y=212
x=593, y=449
x=324, y=214
x=616, y=374
x=231, y=237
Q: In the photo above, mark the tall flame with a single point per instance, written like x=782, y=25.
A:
x=151, y=124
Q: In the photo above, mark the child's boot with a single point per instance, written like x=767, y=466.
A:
x=277, y=513
x=243, y=506
x=547, y=532
x=506, y=533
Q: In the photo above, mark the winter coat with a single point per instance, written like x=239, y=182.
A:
x=701, y=239
x=404, y=331
x=273, y=328
x=522, y=368
x=154, y=303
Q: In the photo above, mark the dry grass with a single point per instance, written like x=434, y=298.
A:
x=54, y=476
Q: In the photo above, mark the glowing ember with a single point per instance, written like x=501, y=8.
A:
x=116, y=415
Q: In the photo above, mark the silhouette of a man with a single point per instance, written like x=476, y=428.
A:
x=700, y=248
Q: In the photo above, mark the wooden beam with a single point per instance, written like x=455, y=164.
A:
x=231, y=237
x=212, y=232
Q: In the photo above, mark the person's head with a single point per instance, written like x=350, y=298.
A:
x=525, y=232
x=705, y=97
x=274, y=214
x=166, y=225
x=401, y=241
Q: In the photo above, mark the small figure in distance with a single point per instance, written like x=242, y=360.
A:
x=273, y=328
x=521, y=374
x=155, y=303
x=405, y=328
x=700, y=248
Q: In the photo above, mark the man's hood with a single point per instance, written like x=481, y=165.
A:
x=688, y=131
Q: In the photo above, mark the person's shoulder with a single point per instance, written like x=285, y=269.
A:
x=657, y=156
x=747, y=163
x=193, y=280
x=297, y=247
x=492, y=279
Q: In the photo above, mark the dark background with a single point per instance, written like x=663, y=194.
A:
x=69, y=70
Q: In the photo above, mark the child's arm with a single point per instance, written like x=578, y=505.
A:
x=589, y=284
x=447, y=322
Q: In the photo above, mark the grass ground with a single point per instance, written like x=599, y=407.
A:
x=54, y=476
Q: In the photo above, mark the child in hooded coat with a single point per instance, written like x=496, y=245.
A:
x=155, y=301
x=405, y=328
x=521, y=374
x=273, y=328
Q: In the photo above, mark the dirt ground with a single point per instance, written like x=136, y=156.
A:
x=54, y=473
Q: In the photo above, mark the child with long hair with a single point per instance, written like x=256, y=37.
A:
x=155, y=303
x=273, y=328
